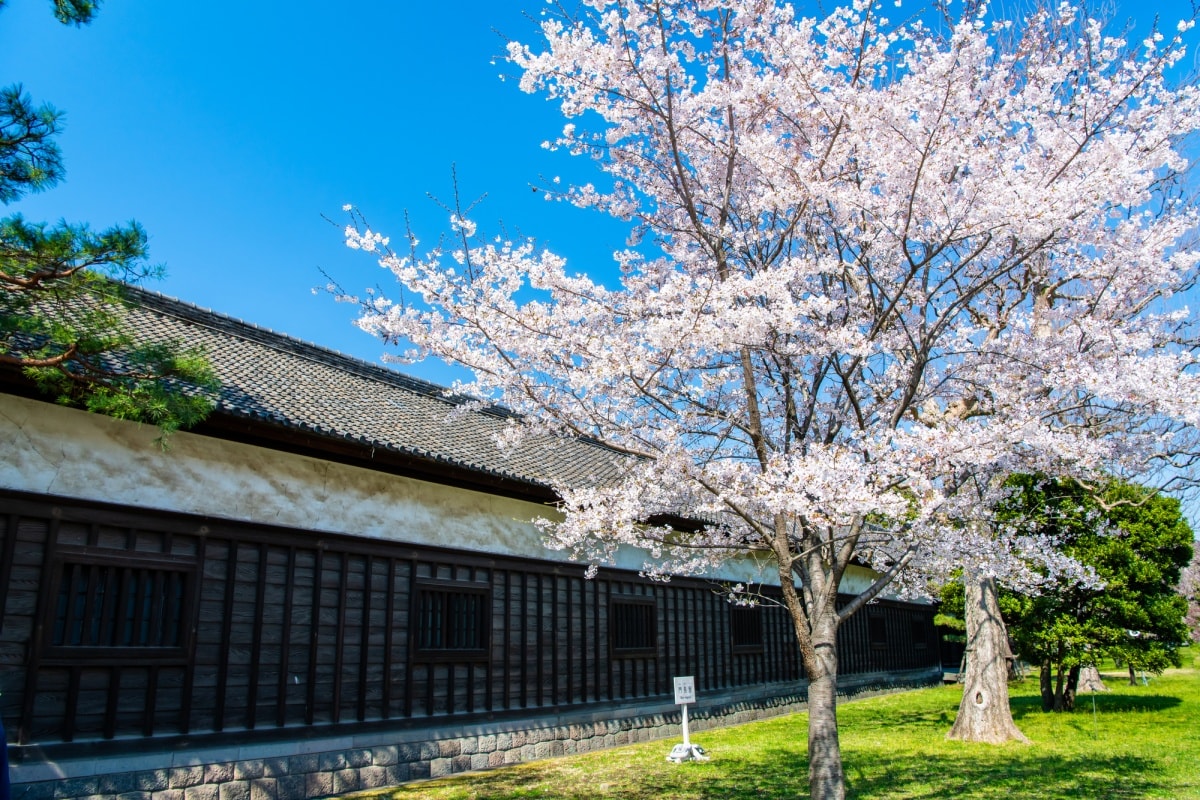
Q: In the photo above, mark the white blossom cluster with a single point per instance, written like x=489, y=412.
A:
x=883, y=266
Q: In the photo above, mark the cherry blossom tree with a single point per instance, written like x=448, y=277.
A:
x=875, y=267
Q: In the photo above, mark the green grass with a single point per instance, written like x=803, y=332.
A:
x=1141, y=742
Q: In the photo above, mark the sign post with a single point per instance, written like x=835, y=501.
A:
x=685, y=695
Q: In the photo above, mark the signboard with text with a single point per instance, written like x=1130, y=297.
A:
x=685, y=690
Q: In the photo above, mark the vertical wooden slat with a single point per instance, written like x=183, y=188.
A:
x=6, y=559
x=314, y=635
x=112, y=699
x=507, y=653
x=411, y=644
x=570, y=611
x=341, y=637
x=151, y=706
x=45, y=607
x=389, y=624
x=285, y=639
x=260, y=599
x=524, y=662
x=191, y=620
x=365, y=636
x=539, y=618
x=71, y=710
x=226, y=634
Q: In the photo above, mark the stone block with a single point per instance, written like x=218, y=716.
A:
x=235, y=790
x=512, y=756
x=264, y=789
x=487, y=744
x=460, y=764
x=418, y=770
x=332, y=762
x=303, y=764
x=480, y=760
x=470, y=746
x=77, y=787
x=168, y=794
x=42, y=790
x=440, y=767
x=275, y=767
x=292, y=787
x=373, y=777
x=345, y=780
x=207, y=791
x=183, y=777
x=359, y=757
x=118, y=783
x=248, y=770
x=135, y=795
x=557, y=748
x=318, y=784
x=218, y=773
x=541, y=750
x=387, y=755
x=449, y=748
x=398, y=773
x=153, y=780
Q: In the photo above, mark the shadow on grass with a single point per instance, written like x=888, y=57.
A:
x=1105, y=703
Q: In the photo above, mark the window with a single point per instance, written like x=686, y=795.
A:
x=451, y=619
x=746, y=629
x=113, y=603
x=918, y=633
x=631, y=623
x=877, y=630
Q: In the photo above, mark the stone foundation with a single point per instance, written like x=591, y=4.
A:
x=318, y=767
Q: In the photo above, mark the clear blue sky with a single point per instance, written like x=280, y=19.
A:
x=228, y=128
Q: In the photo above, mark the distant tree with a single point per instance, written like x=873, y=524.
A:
x=62, y=302
x=1137, y=543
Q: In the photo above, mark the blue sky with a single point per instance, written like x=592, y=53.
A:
x=228, y=128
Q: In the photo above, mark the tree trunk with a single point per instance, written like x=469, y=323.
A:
x=825, y=778
x=983, y=714
x=1132, y=676
x=1046, y=681
x=1072, y=689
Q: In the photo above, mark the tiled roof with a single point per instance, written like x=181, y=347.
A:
x=275, y=378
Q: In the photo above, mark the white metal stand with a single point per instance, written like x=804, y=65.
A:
x=686, y=751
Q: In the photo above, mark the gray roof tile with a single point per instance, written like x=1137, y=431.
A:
x=272, y=377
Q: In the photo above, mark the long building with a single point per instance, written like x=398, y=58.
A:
x=334, y=583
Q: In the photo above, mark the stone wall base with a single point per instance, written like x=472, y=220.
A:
x=318, y=767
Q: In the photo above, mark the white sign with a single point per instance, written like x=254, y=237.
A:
x=685, y=690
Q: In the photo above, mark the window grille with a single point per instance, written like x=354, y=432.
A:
x=877, y=630
x=120, y=605
x=918, y=633
x=632, y=626
x=746, y=628
x=451, y=619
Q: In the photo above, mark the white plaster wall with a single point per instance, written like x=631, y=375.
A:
x=55, y=450
x=48, y=449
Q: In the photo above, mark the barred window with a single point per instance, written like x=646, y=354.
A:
x=632, y=626
x=116, y=601
x=918, y=633
x=746, y=628
x=451, y=619
x=877, y=630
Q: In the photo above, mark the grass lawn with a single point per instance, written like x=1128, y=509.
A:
x=1141, y=742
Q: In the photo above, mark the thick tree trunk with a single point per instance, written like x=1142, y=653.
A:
x=983, y=714
x=1046, y=681
x=1071, y=689
x=1132, y=676
x=825, y=778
